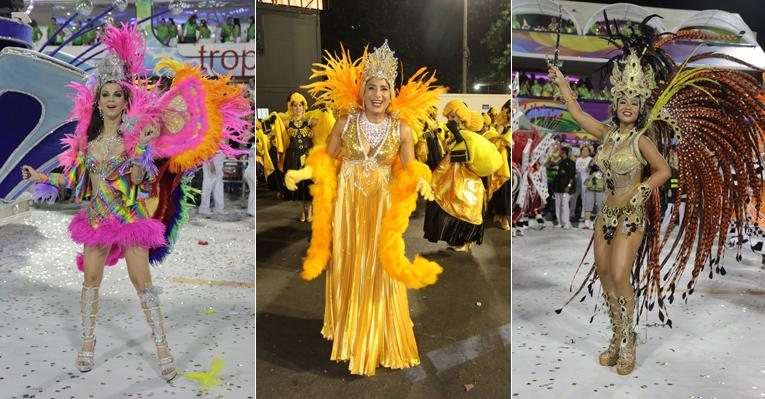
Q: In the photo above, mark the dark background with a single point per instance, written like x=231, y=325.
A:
x=421, y=33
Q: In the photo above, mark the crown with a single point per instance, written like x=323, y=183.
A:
x=111, y=69
x=381, y=64
x=633, y=80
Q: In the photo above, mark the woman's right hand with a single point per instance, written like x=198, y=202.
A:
x=29, y=173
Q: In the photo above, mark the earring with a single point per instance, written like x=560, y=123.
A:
x=100, y=113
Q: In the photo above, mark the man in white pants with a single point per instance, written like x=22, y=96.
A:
x=212, y=183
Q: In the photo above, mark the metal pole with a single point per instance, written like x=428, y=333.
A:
x=464, y=46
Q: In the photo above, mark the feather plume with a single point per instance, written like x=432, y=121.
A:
x=717, y=119
x=339, y=84
x=82, y=110
x=127, y=43
x=44, y=192
x=207, y=379
x=414, y=99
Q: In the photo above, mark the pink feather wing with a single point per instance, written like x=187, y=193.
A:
x=183, y=119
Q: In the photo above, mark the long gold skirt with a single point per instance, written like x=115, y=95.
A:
x=366, y=312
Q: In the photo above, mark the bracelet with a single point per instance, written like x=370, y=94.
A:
x=567, y=99
x=44, y=178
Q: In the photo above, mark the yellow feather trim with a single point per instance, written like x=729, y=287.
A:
x=414, y=99
x=403, y=187
x=324, y=192
x=340, y=82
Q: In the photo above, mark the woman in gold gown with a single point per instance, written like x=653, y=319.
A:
x=356, y=204
x=620, y=224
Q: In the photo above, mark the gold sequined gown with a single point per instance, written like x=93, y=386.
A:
x=366, y=312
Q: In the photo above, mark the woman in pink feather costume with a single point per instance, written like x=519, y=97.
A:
x=114, y=172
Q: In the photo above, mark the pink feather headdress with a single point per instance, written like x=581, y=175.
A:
x=123, y=64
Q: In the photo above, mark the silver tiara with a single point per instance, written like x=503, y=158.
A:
x=111, y=69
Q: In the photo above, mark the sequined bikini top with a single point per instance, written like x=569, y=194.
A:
x=620, y=159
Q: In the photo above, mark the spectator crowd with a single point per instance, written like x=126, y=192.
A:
x=166, y=30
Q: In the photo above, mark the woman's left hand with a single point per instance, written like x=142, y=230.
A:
x=148, y=133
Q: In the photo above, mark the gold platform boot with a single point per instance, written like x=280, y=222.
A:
x=611, y=354
x=626, y=362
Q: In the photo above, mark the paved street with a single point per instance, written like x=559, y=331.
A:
x=461, y=323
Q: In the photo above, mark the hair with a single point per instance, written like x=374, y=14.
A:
x=96, y=120
x=566, y=149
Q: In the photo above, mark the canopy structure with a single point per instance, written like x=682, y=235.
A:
x=580, y=51
x=718, y=19
x=624, y=12
x=544, y=7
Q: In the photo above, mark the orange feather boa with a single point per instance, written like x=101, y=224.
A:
x=324, y=192
x=403, y=188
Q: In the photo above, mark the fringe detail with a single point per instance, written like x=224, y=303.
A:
x=146, y=161
x=324, y=192
x=44, y=192
x=421, y=272
x=145, y=233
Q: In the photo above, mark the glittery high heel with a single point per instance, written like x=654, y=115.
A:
x=611, y=354
x=150, y=304
x=89, y=309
